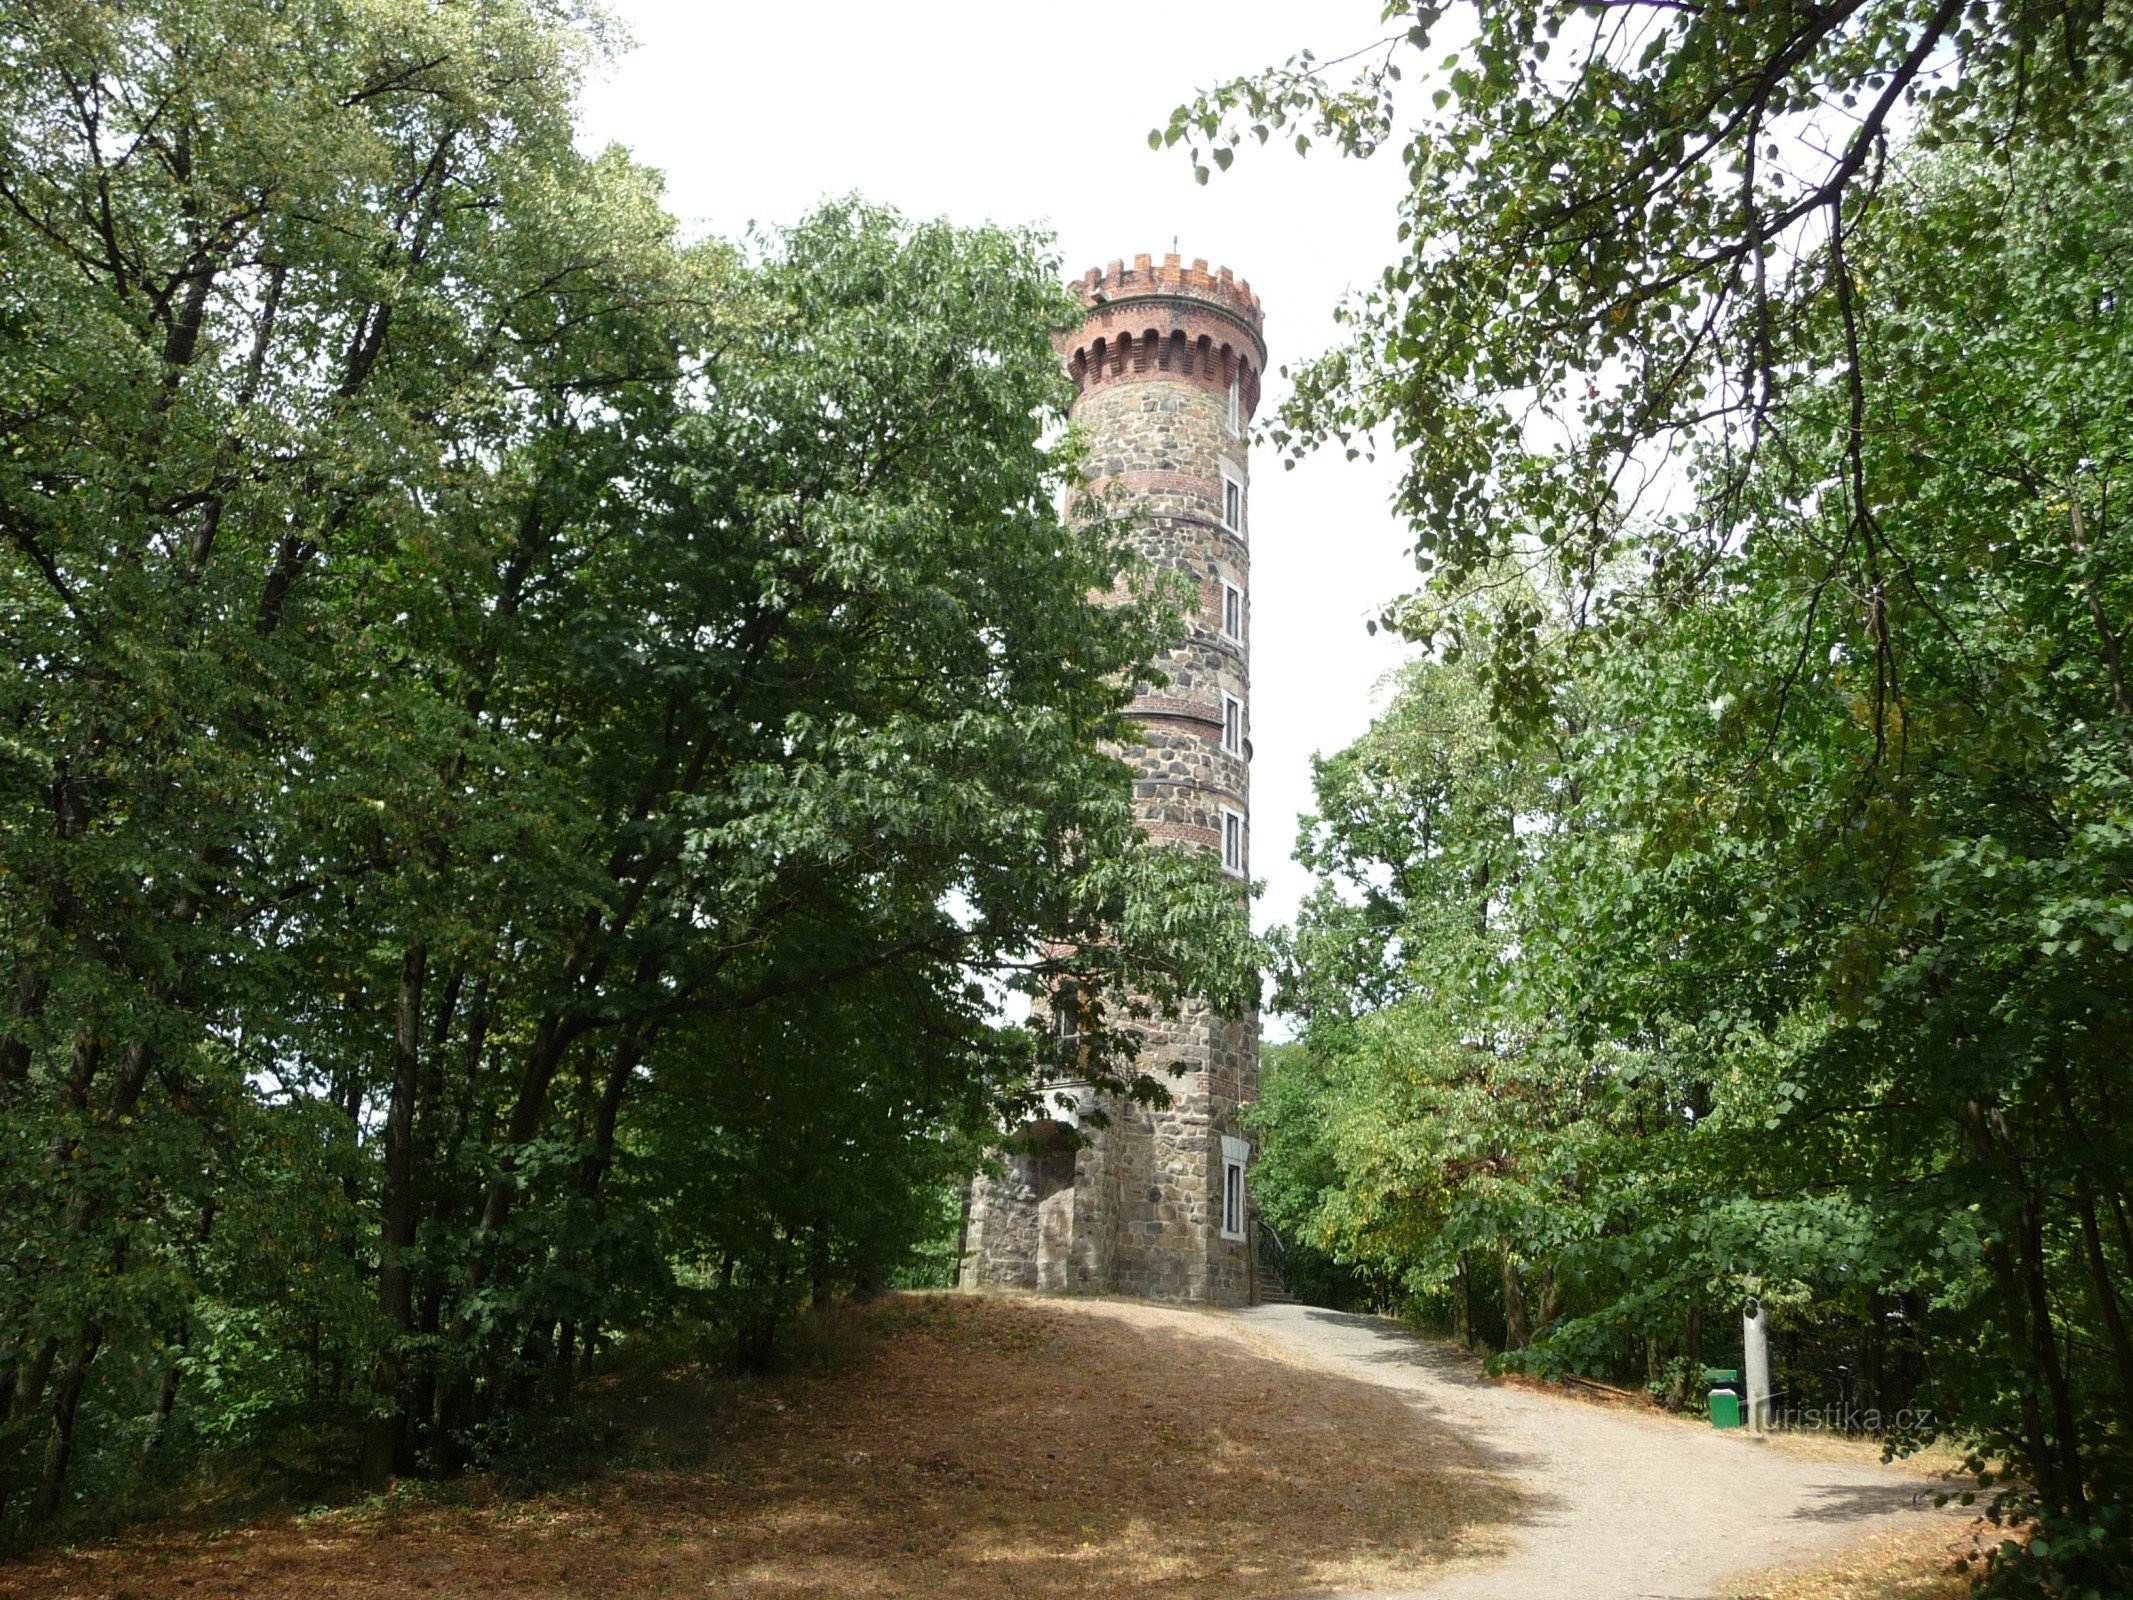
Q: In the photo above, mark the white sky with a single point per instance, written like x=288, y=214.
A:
x=1011, y=112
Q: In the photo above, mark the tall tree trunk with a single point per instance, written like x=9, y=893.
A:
x=24, y=1399
x=550, y=1041
x=1516, y=1334
x=444, y=1422
x=1463, y=1304
x=1688, y=1389
x=2046, y=1343
x=397, y=1221
x=630, y=1047
x=59, y=1449
x=167, y=1391
x=84, y=1207
x=1551, y=1298
x=166, y=1399
x=566, y=1359
x=1872, y=1348
x=818, y=1262
x=2043, y=1464
x=30, y=991
x=1910, y=1351
x=2107, y=1298
x=2106, y=1294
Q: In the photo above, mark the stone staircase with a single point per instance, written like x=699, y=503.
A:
x=1273, y=1286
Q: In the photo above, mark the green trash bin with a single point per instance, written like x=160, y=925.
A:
x=1725, y=1396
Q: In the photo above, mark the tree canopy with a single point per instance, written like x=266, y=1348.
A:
x=1731, y=902
x=531, y=744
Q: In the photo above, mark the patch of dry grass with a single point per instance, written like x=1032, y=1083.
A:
x=1912, y=1563
x=966, y=1448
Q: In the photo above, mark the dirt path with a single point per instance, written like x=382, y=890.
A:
x=1625, y=1507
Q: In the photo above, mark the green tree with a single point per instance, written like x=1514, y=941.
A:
x=1417, y=1094
x=526, y=742
x=1818, y=955
x=283, y=287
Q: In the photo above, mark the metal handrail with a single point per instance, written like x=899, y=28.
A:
x=1281, y=1251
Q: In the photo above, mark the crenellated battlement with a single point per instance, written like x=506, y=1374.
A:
x=1169, y=321
x=1100, y=285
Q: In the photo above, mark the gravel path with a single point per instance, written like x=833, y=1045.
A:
x=1624, y=1507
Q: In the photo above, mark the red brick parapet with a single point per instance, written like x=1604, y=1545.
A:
x=1117, y=281
x=1182, y=323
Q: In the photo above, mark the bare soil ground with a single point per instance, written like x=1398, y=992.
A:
x=969, y=1448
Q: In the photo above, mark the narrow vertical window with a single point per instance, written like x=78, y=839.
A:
x=1066, y=1029
x=1232, y=725
x=1066, y=1016
x=1236, y=405
x=1232, y=505
x=1233, y=842
x=1235, y=1153
x=1232, y=612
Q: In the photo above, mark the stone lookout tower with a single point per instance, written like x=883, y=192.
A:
x=1167, y=363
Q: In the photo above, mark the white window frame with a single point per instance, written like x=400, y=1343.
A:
x=1236, y=406
x=1233, y=504
x=1232, y=725
x=1236, y=1156
x=1232, y=610
x=1232, y=828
